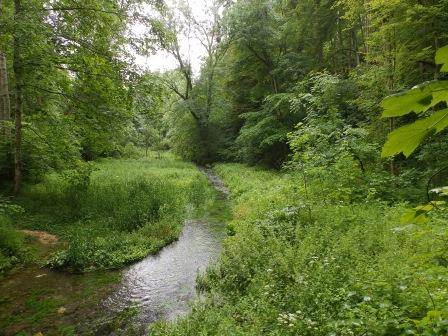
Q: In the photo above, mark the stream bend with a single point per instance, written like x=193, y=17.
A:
x=162, y=286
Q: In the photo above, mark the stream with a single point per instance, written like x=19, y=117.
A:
x=34, y=300
x=162, y=286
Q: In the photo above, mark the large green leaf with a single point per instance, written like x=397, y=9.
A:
x=407, y=138
x=419, y=99
x=419, y=215
x=442, y=58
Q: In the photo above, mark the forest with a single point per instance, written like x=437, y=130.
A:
x=223, y=167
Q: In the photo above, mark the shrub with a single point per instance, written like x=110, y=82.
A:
x=12, y=245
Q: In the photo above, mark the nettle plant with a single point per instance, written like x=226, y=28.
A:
x=429, y=101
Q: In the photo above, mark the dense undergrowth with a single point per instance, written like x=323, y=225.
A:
x=299, y=263
x=13, y=247
x=111, y=212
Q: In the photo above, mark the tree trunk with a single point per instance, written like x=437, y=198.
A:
x=390, y=64
x=5, y=109
x=18, y=74
x=210, y=85
x=356, y=47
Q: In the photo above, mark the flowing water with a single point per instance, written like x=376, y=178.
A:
x=162, y=286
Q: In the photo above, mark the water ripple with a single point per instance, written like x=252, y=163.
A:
x=161, y=286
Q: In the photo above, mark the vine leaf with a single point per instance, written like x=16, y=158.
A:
x=442, y=58
x=419, y=99
x=419, y=214
x=407, y=138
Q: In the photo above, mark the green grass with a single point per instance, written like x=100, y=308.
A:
x=115, y=211
x=298, y=263
x=13, y=247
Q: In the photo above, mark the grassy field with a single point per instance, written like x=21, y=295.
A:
x=108, y=213
x=105, y=215
x=297, y=263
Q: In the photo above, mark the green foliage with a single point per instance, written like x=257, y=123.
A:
x=185, y=138
x=293, y=84
x=419, y=99
x=407, y=138
x=419, y=214
x=442, y=58
x=13, y=249
x=335, y=151
x=381, y=46
x=343, y=269
x=116, y=211
x=78, y=98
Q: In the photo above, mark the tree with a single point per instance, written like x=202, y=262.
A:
x=5, y=108
x=69, y=68
x=180, y=24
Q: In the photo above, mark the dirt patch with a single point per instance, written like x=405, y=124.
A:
x=42, y=236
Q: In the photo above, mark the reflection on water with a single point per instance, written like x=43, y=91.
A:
x=161, y=286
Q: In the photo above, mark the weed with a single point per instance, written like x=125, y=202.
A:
x=300, y=263
x=115, y=212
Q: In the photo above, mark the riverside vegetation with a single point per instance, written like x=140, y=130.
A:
x=110, y=213
x=328, y=121
x=299, y=262
x=122, y=211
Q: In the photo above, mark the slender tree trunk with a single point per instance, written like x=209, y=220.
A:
x=390, y=63
x=356, y=47
x=18, y=109
x=341, y=61
x=210, y=86
x=5, y=109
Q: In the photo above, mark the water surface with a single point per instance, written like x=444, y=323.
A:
x=162, y=286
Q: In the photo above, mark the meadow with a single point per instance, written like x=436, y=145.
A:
x=296, y=263
x=107, y=213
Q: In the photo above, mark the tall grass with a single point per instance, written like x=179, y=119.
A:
x=297, y=263
x=12, y=245
x=116, y=211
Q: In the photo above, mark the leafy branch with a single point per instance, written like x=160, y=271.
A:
x=420, y=100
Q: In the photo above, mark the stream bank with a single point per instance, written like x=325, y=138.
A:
x=160, y=287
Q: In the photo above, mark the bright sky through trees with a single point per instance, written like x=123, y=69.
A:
x=163, y=61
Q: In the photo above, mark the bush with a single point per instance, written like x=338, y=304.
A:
x=12, y=245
